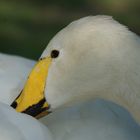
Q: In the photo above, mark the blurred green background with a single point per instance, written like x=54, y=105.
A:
x=26, y=26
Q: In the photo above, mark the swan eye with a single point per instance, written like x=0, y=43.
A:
x=54, y=53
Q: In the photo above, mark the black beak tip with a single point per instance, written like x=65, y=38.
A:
x=35, y=109
x=14, y=104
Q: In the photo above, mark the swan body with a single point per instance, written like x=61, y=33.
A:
x=13, y=74
x=17, y=126
x=98, y=120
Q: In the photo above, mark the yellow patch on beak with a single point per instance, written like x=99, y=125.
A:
x=32, y=99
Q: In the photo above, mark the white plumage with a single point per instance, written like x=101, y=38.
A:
x=98, y=120
x=98, y=58
x=13, y=74
x=17, y=126
x=13, y=125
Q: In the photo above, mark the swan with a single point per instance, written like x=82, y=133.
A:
x=13, y=73
x=61, y=76
x=92, y=57
x=17, y=126
x=85, y=121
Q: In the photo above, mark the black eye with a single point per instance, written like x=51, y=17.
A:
x=54, y=53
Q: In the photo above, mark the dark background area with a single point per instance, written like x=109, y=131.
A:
x=26, y=26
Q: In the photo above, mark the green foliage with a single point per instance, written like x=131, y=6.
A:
x=26, y=26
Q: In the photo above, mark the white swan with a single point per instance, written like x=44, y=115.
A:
x=82, y=121
x=13, y=73
x=92, y=57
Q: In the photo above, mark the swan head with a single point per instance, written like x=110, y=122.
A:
x=83, y=61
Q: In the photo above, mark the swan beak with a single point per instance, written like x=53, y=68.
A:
x=32, y=98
